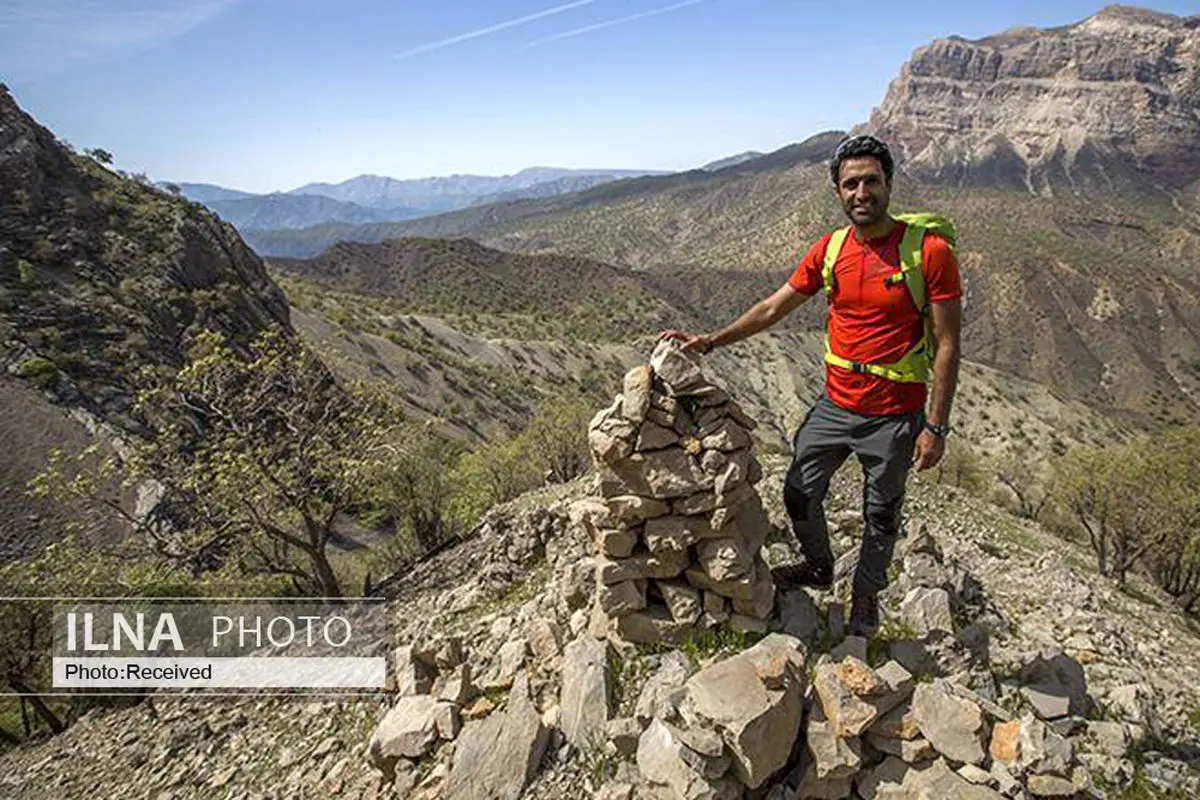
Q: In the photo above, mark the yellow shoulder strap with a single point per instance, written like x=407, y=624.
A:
x=831, y=254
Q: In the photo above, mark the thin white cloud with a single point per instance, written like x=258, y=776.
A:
x=512, y=23
x=618, y=21
x=46, y=36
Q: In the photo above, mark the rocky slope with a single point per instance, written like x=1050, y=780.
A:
x=99, y=277
x=1005, y=668
x=1109, y=103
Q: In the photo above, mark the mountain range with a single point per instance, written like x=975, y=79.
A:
x=375, y=198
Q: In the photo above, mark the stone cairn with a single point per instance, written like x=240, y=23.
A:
x=679, y=531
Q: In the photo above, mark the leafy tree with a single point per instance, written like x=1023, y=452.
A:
x=1029, y=488
x=411, y=485
x=255, y=456
x=100, y=155
x=1174, y=562
x=1115, y=494
x=556, y=438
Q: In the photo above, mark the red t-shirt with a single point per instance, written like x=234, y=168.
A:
x=871, y=321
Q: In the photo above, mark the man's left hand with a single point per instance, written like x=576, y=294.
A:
x=928, y=451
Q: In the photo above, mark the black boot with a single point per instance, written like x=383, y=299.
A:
x=793, y=576
x=864, y=615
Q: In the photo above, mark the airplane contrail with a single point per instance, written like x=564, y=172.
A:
x=512, y=23
x=618, y=21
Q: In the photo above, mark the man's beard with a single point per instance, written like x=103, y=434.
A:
x=864, y=217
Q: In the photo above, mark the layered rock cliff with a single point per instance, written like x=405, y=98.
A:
x=1072, y=108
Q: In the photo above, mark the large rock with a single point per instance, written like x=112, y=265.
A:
x=621, y=598
x=939, y=782
x=586, y=691
x=611, y=436
x=682, y=599
x=495, y=757
x=655, y=625
x=725, y=559
x=755, y=701
x=954, y=725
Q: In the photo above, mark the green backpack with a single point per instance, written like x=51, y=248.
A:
x=915, y=366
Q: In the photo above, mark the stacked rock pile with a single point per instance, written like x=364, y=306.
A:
x=680, y=527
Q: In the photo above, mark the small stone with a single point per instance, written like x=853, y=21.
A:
x=976, y=775
x=676, y=532
x=662, y=693
x=927, y=610
x=616, y=543
x=682, y=599
x=845, y=690
x=544, y=637
x=458, y=688
x=624, y=732
x=622, y=598
x=899, y=723
x=1049, y=786
x=1006, y=743
x=834, y=755
x=635, y=399
x=478, y=708
x=632, y=509
x=1046, y=705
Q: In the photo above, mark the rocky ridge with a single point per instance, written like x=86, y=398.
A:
x=1068, y=109
x=511, y=606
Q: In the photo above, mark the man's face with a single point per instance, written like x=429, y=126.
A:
x=864, y=190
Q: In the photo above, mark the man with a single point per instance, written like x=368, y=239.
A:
x=874, y=328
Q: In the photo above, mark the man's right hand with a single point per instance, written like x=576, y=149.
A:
x=691, y=341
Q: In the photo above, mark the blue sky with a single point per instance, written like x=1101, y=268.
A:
x=269, y=94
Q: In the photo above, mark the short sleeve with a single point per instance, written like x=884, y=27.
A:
x=942, y=279
x=806, y=278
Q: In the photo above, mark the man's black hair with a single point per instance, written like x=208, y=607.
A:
x=858, y=146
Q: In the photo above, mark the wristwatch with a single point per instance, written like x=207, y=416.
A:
x=938, y=430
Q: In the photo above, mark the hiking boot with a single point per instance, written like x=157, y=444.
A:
x=793, y=576
x=864, y=615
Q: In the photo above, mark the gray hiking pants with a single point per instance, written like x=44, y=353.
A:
x=884, y=446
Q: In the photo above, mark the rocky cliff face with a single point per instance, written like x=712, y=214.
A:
x=101, y=276
x=1070, y=108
